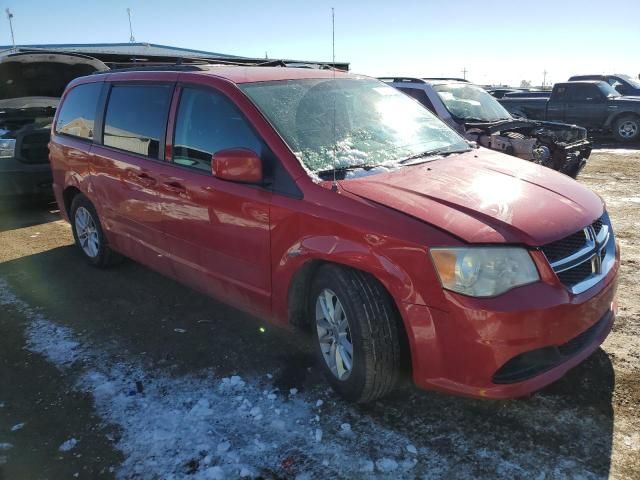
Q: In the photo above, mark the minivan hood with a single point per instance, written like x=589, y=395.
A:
x=26, y=75
x=484, y=196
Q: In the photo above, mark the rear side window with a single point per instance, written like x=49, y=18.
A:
x=78, y=111
x=582, y=93
x=419, y=95
x=137, y=117
x=208, y=122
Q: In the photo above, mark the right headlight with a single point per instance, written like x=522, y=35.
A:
x=484, y=271
x=7, y=147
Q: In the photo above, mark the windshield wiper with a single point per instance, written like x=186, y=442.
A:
x=429, y=153
x=343, y=168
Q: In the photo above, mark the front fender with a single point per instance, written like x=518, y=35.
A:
x=618, y=113
x=373, y=254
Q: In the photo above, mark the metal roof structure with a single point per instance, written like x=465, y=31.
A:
x=138, y=48
x=122, y=54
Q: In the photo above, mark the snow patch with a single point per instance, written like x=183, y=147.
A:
x=200, y=422
x=617, y=151
x=68, y=445
x=387, y=465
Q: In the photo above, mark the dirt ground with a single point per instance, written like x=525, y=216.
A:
x=95, y=364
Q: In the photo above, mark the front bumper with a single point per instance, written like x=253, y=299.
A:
x=466, y=349
x=19, y=179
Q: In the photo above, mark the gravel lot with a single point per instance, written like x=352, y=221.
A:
x=123, y=373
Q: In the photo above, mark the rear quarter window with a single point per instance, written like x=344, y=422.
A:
x=78, y=111
x=136, y=118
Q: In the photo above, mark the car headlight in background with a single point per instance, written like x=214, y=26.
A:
x=484, y=271
x=7, y=147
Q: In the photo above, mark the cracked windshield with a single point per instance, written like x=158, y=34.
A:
x=368, y=123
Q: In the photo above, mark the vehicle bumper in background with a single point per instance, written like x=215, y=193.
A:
x=572, y=158
x=511, y=345
x=19, y=180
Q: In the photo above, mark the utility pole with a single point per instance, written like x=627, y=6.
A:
x=132, y=39
x=10, y=17
x=544, y=79
x=464, y=73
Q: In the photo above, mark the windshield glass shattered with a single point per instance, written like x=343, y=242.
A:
x=366, y=122
x=471, y=103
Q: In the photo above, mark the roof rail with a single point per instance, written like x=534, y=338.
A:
x=402, y=79
x=199, y=64
x=157, y=68
x=454, y=79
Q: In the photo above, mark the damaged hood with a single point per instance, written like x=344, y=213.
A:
x=38, y=79
x=485, y=197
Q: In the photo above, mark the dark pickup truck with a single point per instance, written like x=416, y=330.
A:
x=594, y=105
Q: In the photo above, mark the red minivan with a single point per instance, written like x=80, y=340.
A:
x=334, y=202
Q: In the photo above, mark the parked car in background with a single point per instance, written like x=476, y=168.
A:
x=623, y=84
x=517, y=92
x=30, y=88
x=592, y=104
x=334, y=202
x=479, y=117
x=500, y=92
x=528, y=94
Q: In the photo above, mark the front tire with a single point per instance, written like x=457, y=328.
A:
x=357, y=336
x=88, y=233
x=627, y=128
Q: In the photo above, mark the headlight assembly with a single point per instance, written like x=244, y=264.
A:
x=484, y=271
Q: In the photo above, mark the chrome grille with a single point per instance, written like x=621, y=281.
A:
x=583, y=258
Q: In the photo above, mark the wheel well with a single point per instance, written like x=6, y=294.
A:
x=298, y=301
x=621, y=115
x=68, y=195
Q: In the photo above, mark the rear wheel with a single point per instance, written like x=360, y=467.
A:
x=88, y=234
x=358, y=342
x=627, y=128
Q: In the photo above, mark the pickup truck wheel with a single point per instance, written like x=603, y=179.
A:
x=88, y=234
x=358, y=345
x=627, y=128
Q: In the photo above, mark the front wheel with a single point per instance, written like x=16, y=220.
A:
x=358, y=340
x=627, y=128
x=88, y=234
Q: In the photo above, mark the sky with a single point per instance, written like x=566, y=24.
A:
x=495, y=41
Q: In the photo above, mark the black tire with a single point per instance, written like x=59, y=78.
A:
x=104, y=257
x=374, y=332
x=627, y=128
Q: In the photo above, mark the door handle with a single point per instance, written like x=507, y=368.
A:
x=175, y=187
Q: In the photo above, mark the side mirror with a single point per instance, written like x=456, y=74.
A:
x=237, y=165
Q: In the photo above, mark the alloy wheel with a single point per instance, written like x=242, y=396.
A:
x=87, y=232
x=628, y=129
x=334, y=334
